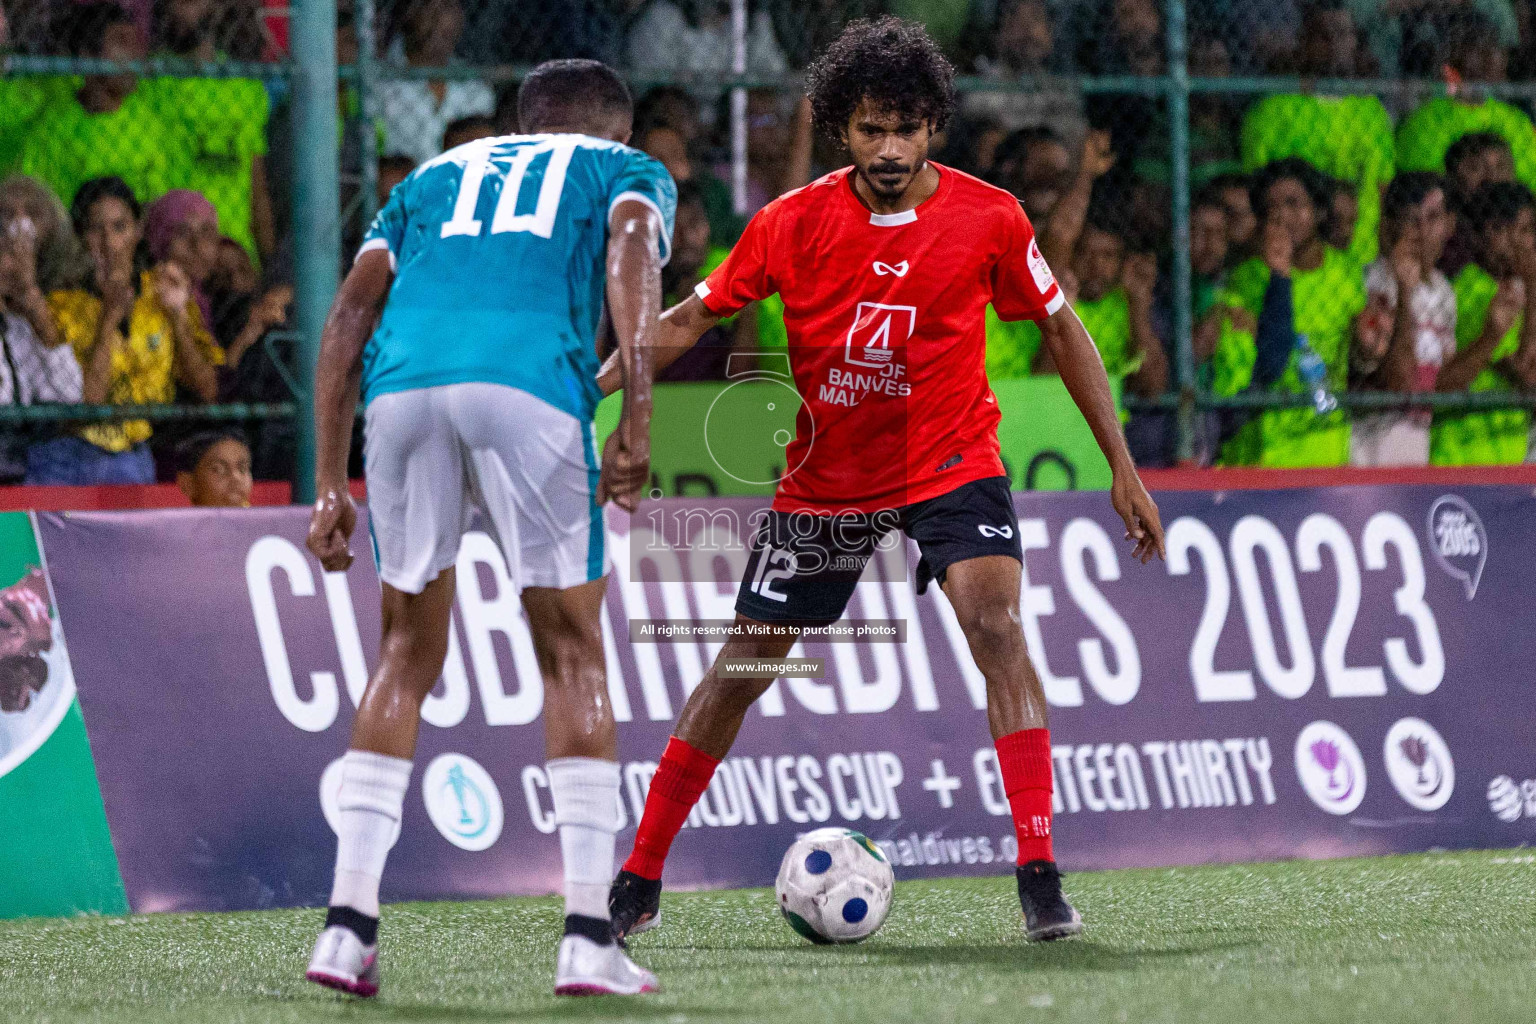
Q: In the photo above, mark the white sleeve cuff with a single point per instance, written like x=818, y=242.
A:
x=641, y=197
x=702, y=290
x=376, y=243
x=1056, y=303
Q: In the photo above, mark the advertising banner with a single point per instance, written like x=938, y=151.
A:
x=745, y=424
x=1313, y=673
x=58, y=852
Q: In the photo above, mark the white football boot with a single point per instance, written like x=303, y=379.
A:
x=342, y=962
x=587, y=969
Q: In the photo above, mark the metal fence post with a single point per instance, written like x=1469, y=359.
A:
x=739, y=108
x=316, y=210
x=1183, y=299
x=367, y=85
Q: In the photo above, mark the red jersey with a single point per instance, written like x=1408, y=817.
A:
x=886, y=317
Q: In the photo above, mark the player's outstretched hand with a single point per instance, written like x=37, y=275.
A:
x=330, y=529
x=1142, y=523
x=626, y=469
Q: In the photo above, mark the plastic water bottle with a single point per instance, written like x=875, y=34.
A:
x=1314, y=376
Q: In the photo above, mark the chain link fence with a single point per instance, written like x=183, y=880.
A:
x=1238, y=194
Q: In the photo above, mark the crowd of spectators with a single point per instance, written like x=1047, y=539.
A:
x=1338, y=241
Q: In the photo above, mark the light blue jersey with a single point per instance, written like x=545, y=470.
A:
x=498, y=248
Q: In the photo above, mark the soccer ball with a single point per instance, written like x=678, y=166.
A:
x=834, y=886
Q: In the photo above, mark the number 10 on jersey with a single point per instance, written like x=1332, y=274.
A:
x=541, y=221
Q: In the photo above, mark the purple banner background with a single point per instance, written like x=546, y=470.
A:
x=184, y=628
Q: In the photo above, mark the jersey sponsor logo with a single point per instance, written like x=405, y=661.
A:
x=875, y=327
x=882, y=269
x=1005, y=532
x=1039, y=269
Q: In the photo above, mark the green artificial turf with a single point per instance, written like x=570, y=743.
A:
x=1424, y=939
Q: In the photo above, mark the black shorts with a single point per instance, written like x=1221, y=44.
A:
x=803, y=566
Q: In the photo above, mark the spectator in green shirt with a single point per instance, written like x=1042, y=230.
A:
x=1495, y=332
x=22, y=99
x=1474, y=53
x=1297, y=287
x=108, y=127
x=1471, y=162
x=225, y=120
x=1113, y=298
x=1242, y=226
x=1348, y=137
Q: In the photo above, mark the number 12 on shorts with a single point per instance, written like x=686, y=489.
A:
x=766, y=572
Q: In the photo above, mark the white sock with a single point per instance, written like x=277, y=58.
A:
x=372, y=797
x=586, y=797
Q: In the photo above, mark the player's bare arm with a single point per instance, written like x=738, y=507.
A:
x=338, y=376
x=1082, y=371
x=634, y=284
x=679, y=330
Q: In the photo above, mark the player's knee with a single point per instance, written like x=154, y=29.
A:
x=574, y=669
x=993, y=628
x=421, y=652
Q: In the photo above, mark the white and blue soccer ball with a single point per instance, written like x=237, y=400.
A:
x=835, y=886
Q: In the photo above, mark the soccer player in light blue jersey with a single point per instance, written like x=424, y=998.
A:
x=468, y=325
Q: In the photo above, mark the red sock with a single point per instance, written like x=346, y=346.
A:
x=1025, y=760
x=683, y=774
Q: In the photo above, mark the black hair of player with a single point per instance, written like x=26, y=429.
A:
x=1498, y=203
x=84, y=25
x=893, y=64
x=191, y=449
x=1319, y=186
x=585, y=95
x=1407, y=192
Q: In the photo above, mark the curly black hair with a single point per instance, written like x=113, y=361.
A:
x=892, y=63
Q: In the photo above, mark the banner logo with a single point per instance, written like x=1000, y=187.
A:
x=37, y=685
x=1510, y=800
x=1419, y=764
x=1330, y=767
x=462, y=801
x=1458, y=540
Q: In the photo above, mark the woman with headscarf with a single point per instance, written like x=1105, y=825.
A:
x=183, y=227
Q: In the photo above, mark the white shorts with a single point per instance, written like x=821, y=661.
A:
x=435, y=457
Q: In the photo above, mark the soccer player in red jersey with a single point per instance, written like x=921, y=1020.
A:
x=885, y=269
